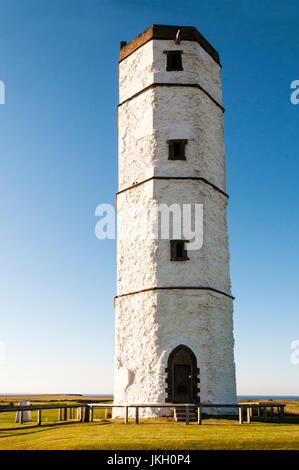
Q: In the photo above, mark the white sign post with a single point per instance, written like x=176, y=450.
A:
x=23, y=416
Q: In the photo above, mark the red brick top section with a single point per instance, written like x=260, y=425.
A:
x=157, y=31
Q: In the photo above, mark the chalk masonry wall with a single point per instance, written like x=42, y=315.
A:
x=150, y=324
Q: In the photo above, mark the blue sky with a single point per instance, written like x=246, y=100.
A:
x=58, y=145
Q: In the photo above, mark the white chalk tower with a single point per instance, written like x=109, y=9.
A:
x=174, y=307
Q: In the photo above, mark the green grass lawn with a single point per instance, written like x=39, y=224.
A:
x=150, y=434
x=107, y=435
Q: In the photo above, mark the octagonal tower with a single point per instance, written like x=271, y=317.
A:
x=174, y=308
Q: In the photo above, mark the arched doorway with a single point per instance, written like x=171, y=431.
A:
x=182, y=376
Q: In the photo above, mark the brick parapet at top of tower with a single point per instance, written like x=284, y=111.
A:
x=166, y=32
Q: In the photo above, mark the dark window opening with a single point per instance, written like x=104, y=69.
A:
x=174, y=61
x=178, y=251
x=176, y=149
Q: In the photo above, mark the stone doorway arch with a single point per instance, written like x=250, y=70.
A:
x=182, y=376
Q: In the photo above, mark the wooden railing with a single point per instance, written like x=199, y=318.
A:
x=61, y=407
x=249, y=407
x=86, y=412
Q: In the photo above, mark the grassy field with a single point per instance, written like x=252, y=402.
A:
x=150, y=434
x=5, y=399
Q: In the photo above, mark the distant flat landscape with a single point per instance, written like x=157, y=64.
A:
x=95, y=397
x=53, y=397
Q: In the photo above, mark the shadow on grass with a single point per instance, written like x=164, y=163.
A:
x=209, y=420
x=44, y=426
x=38, y=430
x=289, y=419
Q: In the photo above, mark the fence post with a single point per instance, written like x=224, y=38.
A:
x=39, y=417
x=86, y=417
x=82, y=414
x=106, y=413
x=265, y=413
x=248, y=415
x=126, y=414
x=187, y=414
x=64, y=414
x=137, y=415
x=240, y=415
x=91, y=413
x=199, y=415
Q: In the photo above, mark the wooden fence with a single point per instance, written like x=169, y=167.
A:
x=85, y=412
x=260, y=408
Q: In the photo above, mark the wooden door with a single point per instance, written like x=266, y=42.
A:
x=182, y=383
